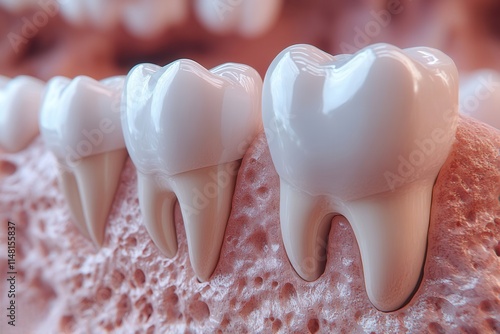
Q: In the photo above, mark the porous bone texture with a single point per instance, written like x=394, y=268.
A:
x=65, y=285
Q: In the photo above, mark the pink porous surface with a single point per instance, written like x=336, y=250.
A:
x=64, y=285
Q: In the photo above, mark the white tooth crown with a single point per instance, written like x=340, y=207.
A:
x=186, y=128
x=363, y=136
x=480, y=96
x=189, y=118
x=142, y=18
x=20, y=100
x=80, y=123
x=81, y=117
x=250, y=18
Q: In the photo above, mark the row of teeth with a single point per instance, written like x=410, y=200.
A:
x=361, y=135
x=146, y=18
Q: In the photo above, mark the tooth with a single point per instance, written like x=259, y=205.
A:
x=20, y=100
x=480, y=96
x=147, y=19
x=17, y=6
x=80, y=123
x=363, y=136
x=103, y=14
x=248, y=18
x=186, y=129
x=74, y=12
x=4, y=81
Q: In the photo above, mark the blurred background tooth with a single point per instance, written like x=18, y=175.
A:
x=213, y=115
x=249, y=18
x=17, y=6
x=480, y=96
x=74, y=11
x=4, y=81
x=103, y=14
x=146, y=19
x=80, y=123
x=259, y=17
x=20, y=100
x=345, y=145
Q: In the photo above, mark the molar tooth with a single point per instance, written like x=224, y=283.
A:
x=149, y=18
x=250, y=18
x=363, y=136
x=80, y=123
x=20, y=100
x=186, y=128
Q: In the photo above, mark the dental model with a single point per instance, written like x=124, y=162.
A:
x=363, y=136
x=480, y=96
x=20, y=100
x=249, y=18
x=80, y=123
x=186, y=129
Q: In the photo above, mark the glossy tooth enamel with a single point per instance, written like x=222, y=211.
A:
x=249, y=18
x=480, y=96
x=186, y=129
x=363, y=136
x=20, y=100
x=149, y=18
x=80, y=123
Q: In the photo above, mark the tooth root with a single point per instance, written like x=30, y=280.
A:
x=97, y=177
x=391, y=230
x=305, y=225
x=205, y=197
x=157, y=207
x=69, y=187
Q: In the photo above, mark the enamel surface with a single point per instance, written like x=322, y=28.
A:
x=480, y=96
x=249, y=18
x=80, y=123
x=20, y=100
x=363, y=136
x=185, y=129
